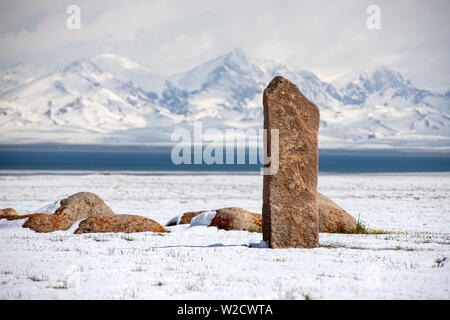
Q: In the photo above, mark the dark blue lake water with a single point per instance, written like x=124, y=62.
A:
x=161, y=161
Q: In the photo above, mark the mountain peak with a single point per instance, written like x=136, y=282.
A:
x=234, y=57
x=212, y=70
x=236, y=54
x=106, y=56
x=113, y=60
x=384, y=77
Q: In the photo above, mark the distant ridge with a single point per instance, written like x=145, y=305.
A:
x=109, y=99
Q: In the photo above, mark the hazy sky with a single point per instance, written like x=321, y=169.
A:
x=326, y=37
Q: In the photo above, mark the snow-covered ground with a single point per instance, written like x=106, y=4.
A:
x=206, y=263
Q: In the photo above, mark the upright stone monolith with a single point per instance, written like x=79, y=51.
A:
x=290, y=214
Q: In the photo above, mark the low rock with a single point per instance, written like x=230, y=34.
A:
x=235, y=218
x=78, y=206
x=332, y=218
x=16, y=216
x=187, y=216
x=98, y=216
x=127, y=223
x=7, y=212
x=41, y=222
x=232, y=218
x=82, y=205
x=44, y=222
x=203, y=219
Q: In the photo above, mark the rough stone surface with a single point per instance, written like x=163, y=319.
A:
x=290, y=214
x=8, y=212
x=98, y=216
x=15, y=217
x=332, y=218
x=74, y=208
x=232, y=218
x=82, y=205
x=127, y=223
x=44, y=222
x=187, y=216
x=235, y=218
x=41, y=222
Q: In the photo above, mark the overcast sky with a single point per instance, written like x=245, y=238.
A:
x=326, y=37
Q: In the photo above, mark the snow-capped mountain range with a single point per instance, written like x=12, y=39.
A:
x=109, y=99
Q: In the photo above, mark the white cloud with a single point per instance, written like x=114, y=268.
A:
x=172, y=36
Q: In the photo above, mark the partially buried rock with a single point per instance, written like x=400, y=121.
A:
x=43, y=222
x=187, y=217
x=98, y=216
x=83, y=205
x=332, y=218
x=127, y=223
x=290, y=215
x=232, y=218
x=8, y=212
x=235, y=218
x=74, y=208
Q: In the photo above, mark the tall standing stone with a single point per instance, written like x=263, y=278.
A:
x=290, y=213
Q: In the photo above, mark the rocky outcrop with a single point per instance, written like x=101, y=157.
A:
x=127, y=223
x=290, y=215
x=332, y=218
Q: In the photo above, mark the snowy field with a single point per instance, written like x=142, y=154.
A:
x=206, y=263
